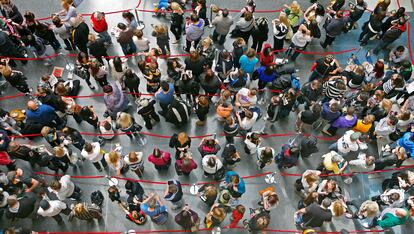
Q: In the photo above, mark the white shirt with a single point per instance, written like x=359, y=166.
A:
x=300, y=39
x=244, y=97
x=67, y=188
x=345, y=145
x=250, y=145
x=247, y=123
x=207, y=168
x=142, y=44
x=360, y=165
x=55, y=208
x=95, y=155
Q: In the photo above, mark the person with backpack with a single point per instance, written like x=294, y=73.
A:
x=174, y=194
x=288, y=156
x=334, y=27
x=260, y=33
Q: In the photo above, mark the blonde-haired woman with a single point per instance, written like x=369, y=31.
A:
x=135, y=161
x=10, y=11
x=177, y=21
x=115, y=161
x=207, y=50
x=126, y=123
x=281, y=27
x=62, y=156
x=163, y=40
x=293, y=12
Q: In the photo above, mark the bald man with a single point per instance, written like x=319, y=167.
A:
x=42, y=114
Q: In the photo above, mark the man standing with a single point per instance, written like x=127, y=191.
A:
x=391, y=35
x=43, y=114
x=51, y=209
x=334, y=28
x=222, y=22
x=194, y=30
x=314, y=215
x=164, y=96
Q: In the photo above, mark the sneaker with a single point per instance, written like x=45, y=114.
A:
x=100, y=169
x=91, y=87
x=175, y=42
x=326, y=132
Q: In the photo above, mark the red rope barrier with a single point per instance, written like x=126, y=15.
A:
x=209, y=229
x=284, y=174
x=409, y=41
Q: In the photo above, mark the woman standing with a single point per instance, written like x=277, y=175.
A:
x=74, y=137
x=245, y=25
x=160, y=159
x=177, y=21
x=127, y=124
x=135, y=161
x=260, y=33
x=265, y=156
x=207, y=50
x=98, y=72
x=201, y=109
x=181, y=142
x=211, y=165
x=281, y=28
x=82, y=68
x=94, y=153
x=115, y=161
x=117, y=70
x=188, y=219
x=216, y=215
x=130, y=20
x=163, y=40
x=131, y=81
x=84, y=211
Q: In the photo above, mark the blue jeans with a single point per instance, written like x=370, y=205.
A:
x=105, y=36
x=334, y=147
x=129, y=48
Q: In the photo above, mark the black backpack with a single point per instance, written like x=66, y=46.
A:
x=97, y=198
x=308, y=146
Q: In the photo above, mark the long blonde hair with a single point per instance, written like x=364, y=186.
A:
x=176, y=7
x=113, y=157
x=283, y=19
x=295, y=8
x=124, y=120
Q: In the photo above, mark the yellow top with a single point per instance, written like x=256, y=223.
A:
x=362, y=127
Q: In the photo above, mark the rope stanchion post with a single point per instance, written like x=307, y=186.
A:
x=141, y=24
x=210, y=24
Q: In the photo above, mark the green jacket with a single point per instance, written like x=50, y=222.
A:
x=390, y=220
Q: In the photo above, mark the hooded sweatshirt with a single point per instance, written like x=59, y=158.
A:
x=406, y=143
x=266, y=60
x=195, y=31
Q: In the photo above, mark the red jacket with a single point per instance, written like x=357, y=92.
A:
x=99, y=25
x=266, y=60
x=161, y=161
x=236, y=217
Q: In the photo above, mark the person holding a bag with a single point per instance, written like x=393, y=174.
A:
x=185, y=164
x=215, y=217
x=160, y=159
x=155, y=209
x=181, y=142
x=98, y=72
x=265, y=156
x=188, y=219
x=126, y=123
x=314, y=215
x=82, y=68
x=334, y=27
x=174, y=194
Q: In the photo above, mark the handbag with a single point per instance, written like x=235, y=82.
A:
x=219, y=174
x=235, y=33
x=157, y=218
x=81, y=72
x=178, y=169
x=196, y=224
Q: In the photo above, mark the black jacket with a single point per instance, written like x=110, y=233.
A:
x=14, y=14
x=26, y=207
x=97, y=48
x=80, y=36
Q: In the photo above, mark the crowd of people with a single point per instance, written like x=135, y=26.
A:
x=369, y=102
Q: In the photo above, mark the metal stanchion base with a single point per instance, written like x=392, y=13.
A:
x=141, y=139
x=194, y=189
x=271, y=178
x=70, y=67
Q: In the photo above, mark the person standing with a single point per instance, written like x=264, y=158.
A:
x=100, y=26
x=194, y=30
x=280, y=30
x=164, y=96
x=64, y=188
x=163, y=40
x=392, y=34
x=371, y=27
x=334, y=28
x=52, y=209
x=80, y=33
x=174, y=194
x=94, y=153
x=22, y=207
x=222, y=23
x=177, y=20
x=245, y=26
x=314, y=215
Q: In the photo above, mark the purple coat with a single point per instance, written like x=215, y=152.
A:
x=342, y=122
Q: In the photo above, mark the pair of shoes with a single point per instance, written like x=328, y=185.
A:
x=323, y=46
x=91, y=87
x=363, y=43
x=326, y=132
x=176, y=41
x=100, y=170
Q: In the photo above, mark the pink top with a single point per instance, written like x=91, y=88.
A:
x=161, y=161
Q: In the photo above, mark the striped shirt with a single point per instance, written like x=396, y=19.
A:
x=92, y=211
x=331, y=91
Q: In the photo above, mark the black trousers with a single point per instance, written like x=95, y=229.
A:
x=177, y=30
